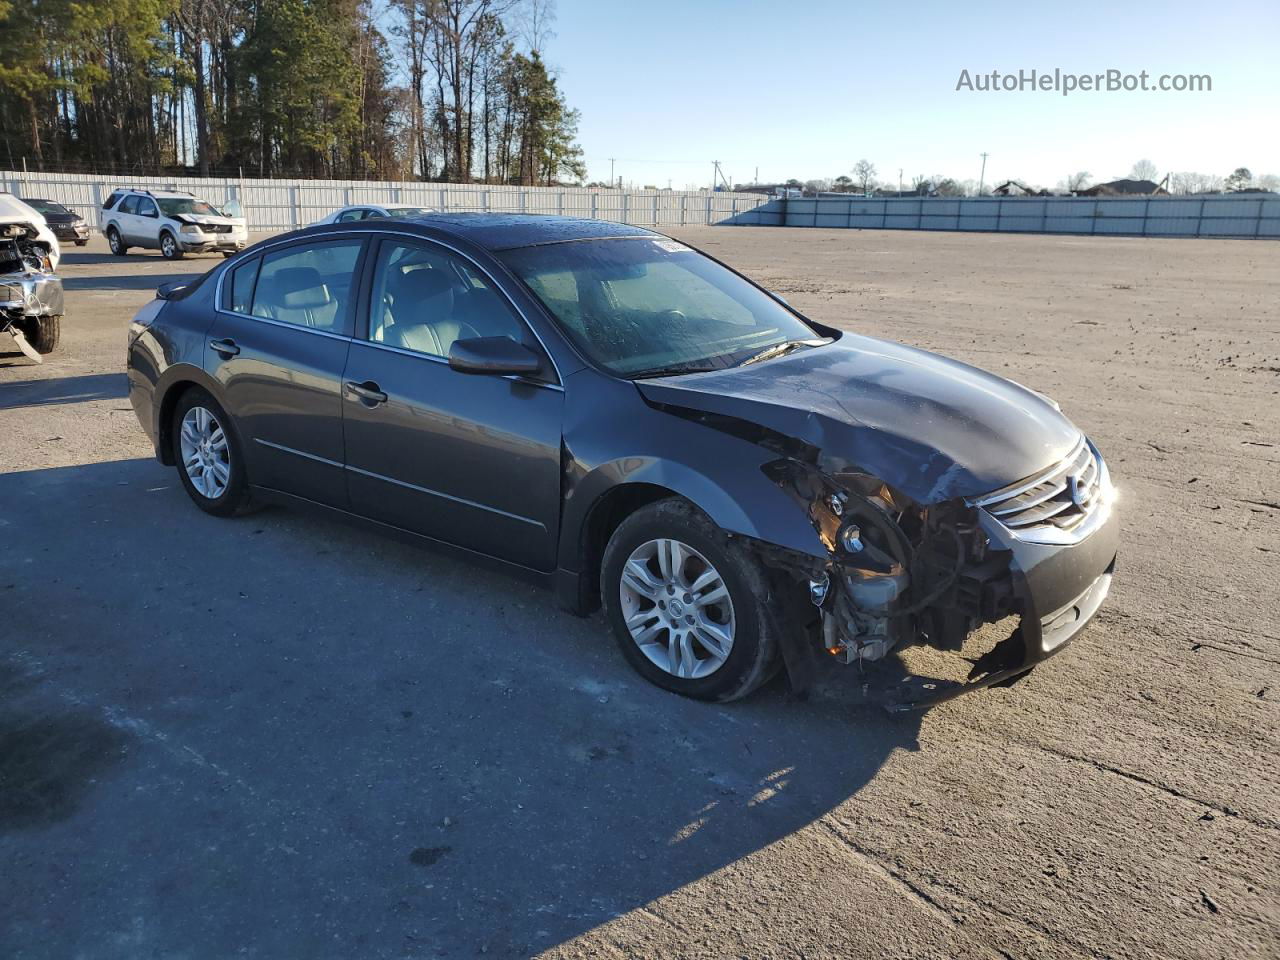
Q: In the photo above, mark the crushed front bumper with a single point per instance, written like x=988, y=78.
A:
x=215, y=243
x=1059, y=587
x=30, y=295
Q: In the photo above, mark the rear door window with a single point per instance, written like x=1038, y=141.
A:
x=129, y=204
x=310, y=286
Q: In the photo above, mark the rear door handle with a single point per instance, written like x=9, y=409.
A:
x=225, y=347
x=368, y=392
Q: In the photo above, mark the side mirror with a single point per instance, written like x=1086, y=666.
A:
x=493, y=355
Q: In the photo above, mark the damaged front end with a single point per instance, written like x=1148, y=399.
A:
x=31, y=297
x=900, y=573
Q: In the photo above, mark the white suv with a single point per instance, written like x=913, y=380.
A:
x=172, y=222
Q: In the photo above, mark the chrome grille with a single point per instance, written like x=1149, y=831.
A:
x=1061, y=497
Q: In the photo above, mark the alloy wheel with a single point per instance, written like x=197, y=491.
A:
x=677, y=608
x=167, y=246
x=206, y=456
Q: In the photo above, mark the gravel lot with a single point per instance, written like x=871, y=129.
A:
x=283, y=737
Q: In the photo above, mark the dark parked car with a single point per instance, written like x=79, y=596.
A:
x=613, y=413
x=65, y=224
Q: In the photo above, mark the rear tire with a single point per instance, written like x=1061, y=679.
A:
x=116, y=242
x=207, y=453
x=169, y=246
x=751, y=657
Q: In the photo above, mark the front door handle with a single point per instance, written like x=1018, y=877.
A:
x=368, y=392
x=225, y=347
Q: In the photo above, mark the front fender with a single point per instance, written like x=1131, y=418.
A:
x=739, y=497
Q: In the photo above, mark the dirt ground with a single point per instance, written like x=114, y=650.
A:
x=278, y=736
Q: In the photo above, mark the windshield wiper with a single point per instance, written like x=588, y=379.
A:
x=777, y=350
x=670, y=372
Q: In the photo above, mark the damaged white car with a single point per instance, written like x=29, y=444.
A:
x=31, y=302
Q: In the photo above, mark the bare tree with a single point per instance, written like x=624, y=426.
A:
x=864, y=172
x=1268, y=181
x=1144, y=170
x=533, y=24
x=1077, y=181
x=1191, y=183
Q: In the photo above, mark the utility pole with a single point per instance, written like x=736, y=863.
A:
x=899, y=181
x=982, y=177
x=611, y=171
x=715, y=172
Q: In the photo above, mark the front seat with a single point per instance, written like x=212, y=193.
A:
x=421, y=313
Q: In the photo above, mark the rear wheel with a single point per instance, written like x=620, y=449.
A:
x=208, y=455
x=688, y=604
x=116, y=242
x=169, y=247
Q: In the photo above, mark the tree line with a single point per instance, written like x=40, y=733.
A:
x=451, y=90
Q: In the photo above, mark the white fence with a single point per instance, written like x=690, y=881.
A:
x=288, y=204
x=1219, y=215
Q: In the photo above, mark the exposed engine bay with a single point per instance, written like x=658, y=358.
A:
x=898, y=573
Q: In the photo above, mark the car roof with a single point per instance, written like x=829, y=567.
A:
x=505, y=231
x=158, y=193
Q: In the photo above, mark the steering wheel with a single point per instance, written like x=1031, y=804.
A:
x=674, y=315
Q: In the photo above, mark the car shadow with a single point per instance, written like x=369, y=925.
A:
x=342, y=745
x=133, y=281
x=36, y=393
x=76, y=257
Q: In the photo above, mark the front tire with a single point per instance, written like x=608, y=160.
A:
x=116, y=242
x=688, y=604
x=43, y=333
x=169, y=247
x=208, y=456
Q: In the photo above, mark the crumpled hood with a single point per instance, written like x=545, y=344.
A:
x=932, y=427
x=204, y=219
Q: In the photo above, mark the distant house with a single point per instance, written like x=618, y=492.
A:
x=1118, y=188
x=1012, y=188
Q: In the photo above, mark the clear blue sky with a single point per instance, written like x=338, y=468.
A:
x=805, y=90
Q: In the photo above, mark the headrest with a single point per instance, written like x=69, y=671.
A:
x=301, y=288
x=420, y=284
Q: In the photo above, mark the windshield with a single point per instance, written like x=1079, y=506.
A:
x=176, y=206
x=47, y=206
x=644, y=306
x=398, y=212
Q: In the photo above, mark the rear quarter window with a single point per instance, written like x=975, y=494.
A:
x=237, y=292
x=111, y=200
